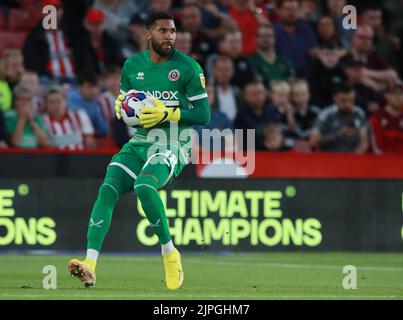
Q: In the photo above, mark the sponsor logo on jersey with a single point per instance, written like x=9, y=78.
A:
x=202, y=80
x=140, y=75
x=174, y=75
x=165, y=95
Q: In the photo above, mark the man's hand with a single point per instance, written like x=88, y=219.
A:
x=118, y=105
x=151, y=116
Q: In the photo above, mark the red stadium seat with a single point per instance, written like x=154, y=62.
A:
x=23, y=20
x=11, y=40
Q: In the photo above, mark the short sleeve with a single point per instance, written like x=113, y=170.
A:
x=195, y=86
x=321, y=122
x=124, y=80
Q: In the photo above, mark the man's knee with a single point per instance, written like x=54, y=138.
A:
x=144, y=186
x=108, y=191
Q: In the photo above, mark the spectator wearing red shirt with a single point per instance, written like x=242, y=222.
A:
x=248, y=18
x=387, y=123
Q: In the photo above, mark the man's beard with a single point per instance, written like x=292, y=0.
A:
x=158, y=49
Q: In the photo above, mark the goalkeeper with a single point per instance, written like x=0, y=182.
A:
x=145, y=164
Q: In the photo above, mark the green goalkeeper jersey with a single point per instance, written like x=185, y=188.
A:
x=177, y=82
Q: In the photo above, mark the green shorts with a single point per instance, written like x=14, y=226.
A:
x=134, y=156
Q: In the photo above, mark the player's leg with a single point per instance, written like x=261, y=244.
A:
x=116, y=183
x=156, y=173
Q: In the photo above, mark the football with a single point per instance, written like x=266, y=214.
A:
x=131, y=107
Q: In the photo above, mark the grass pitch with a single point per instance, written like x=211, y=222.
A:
x=207, y=276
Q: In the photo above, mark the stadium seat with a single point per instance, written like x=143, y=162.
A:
x=23, y=20
x=14, y=40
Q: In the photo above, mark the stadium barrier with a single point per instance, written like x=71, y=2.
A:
x=46, y=203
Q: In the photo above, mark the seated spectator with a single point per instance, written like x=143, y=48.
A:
x=226, y=94
x=387, y=123
x=326, y=31
x=85, y=98
x=47, y=52
x=118, y=14
x=159, y=5
x=231, y=46
x=30, y=79
x=387, y=45
x=266, y=62
x=295, y=39
x=184, y=42
x=96, y=48
x=68, y=129
x=282, y=107
x=334, y=8
x=323, y=73
x=191, y=21
x=376, y=72
x=3, y=134
x=111, y=84
x=274, y=139
x=136, y=41
x=23, y=125
x=366, y=98
x=218, y=121
x=305, y=114
x=248, y=19
x=11, y=69
x=341, y=127
x=255, y=113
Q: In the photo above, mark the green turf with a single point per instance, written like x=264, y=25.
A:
x=235, y=276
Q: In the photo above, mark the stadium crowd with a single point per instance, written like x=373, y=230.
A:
x=288, y=69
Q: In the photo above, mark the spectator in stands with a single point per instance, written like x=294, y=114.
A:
x=191, y=21
x=215, y=19
x=68, y=129
x=387, y=45
x=231, y=46
x=387, y=123
x=341, y=127
x=137, y=40
x=295, y=39
x=248, y=19
x=30, y=79
x=47, y=52
x=111, y=83
x=334, y=8
x=3, y=134
x=323, y=73
x=266, y=62
x=11, y=68
x=184, y=42
x=96, y=48
x=281, y=104
x=274, y=139
x=255, y=113
x=23, y=125
x=159, y=5
x=376, y=72
x=218, y=121
x=305, y=114
x=326, y=31
x=85, y=98
x=118, y=14
x=226, y=94
x=366, y=98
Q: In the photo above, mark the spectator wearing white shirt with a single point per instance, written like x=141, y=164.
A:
x=67, y=129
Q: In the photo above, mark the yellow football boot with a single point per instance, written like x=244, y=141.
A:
x=84, y=271
x=173, y=270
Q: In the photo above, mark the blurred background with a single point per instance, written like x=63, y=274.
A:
x=325, y=102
